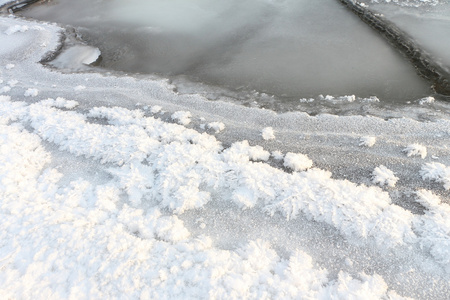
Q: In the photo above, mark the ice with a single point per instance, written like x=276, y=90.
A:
x=76, y=57
x=101, y=198
x=429, y=25
x=291, y=49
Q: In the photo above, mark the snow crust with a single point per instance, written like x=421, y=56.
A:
x=98, y=198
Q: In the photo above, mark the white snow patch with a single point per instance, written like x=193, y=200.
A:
x=297, y=161
x=437, y=172
x=79, y=88
x=216, y=126
x=182, y=117
x=367, y=141
x=383, y=176
x=415, y=150
x=426, y=100
x=31, y=92
x=268, y=133
x=9, y=66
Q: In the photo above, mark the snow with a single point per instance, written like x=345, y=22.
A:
x=383, y=176
x=100, y=198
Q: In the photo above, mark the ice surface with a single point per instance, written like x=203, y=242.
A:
x=102, y=198
x=76, y=57
x=291, y=49
x=429, y=25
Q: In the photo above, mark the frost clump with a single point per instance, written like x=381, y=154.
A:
x=426, y=100
x=216, y=126
x=367, y=141
x=346, y=98
x=268, y=133
x=31, y=93
x=437, y=172
x=415, y=150
x=383, y=176
x=60, y=103
x=297, y=161
x=9, y=66
x=182, y=117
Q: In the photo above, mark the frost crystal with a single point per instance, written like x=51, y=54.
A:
x=297, y=161
x=415, y=150
x=216, y=126
x=437, y=172
x=367, y=141
x=384, y=176
x=182, y=117
x=268, y=134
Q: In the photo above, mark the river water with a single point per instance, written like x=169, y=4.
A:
x=282, y=54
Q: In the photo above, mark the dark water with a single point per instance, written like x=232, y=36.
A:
x=250, y=49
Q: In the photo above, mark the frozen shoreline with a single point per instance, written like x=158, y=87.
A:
x=127, y=212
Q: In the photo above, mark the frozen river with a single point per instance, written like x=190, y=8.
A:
x=282, y=54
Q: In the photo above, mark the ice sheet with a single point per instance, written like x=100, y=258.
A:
x=290, y=49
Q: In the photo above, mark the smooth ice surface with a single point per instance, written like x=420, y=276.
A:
x=291, y=49
x=429, y=25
